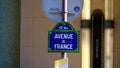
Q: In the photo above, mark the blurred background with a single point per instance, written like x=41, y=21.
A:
x=34, y=36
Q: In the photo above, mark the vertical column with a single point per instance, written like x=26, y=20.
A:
x=86, y=10
x=108, y=9
x=108, y=34
x=85, y=36
x=9, y=33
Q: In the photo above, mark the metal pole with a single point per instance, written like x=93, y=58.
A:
x=64, y=19
x=85, y=25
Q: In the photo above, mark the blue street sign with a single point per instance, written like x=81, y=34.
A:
x=63, y=38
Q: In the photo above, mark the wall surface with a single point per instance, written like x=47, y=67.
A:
x=34, y=35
